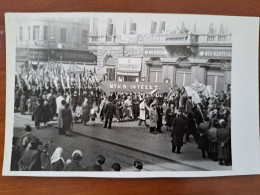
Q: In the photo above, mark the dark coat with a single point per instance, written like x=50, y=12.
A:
x=38, y=114
x=224, y=136
x=46, y=113
x=22, y=103
x=75, y=99
x=203, y=138
x=160, y=115
x=57, y=166
x=169, y=117
x=67, y=119
x=95, y=167
x=73, y=166
x=15, y=158
x=30, y=161
x=85, y=113
x=179, y=126
x=110, y=110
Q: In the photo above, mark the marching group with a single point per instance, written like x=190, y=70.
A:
x=208, y=121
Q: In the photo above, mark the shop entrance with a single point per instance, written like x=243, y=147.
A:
x=183, y=78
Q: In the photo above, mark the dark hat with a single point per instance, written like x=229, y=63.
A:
x=77, y=156
x=116, y=167
x=36, y=140
x=28, y=128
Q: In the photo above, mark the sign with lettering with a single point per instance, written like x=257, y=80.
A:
x=194, y=94
x=155, y=52
x=143, y=38
x=215, y=53
x=116, y=86
x=129, y=64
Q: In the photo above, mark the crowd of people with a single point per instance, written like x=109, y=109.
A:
x=207, y=121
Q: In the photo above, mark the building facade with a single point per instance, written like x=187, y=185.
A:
x=162, y=51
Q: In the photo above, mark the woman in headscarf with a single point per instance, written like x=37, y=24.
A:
x=57, y=162
x=74, y=165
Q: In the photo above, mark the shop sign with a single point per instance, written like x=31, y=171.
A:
x=155, y=52
x=215, y=53
x=116, y=86
x=129, y=64
x=151, y=38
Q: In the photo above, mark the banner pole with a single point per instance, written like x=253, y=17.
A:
x=201, y=112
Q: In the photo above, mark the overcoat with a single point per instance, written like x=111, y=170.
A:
x=153, y=117
x=224, y=136
x=179, y=126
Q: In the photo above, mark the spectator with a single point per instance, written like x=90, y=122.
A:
x=138, y=166
x=74, y=165
x=57, y=162
x=100, y=160
x=115, y=167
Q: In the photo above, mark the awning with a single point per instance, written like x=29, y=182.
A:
x=134, y=74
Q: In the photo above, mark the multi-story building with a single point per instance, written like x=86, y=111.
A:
x=62, y=41
x=154, y=50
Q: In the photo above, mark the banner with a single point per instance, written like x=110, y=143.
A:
x=194, y=94
x=116, y=86
x=209, y=92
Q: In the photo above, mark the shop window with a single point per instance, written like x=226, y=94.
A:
x=155, y=76
x=36, y=33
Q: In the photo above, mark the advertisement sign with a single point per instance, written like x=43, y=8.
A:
x=155, y=52
x=116, y=86
x=215, y=53
x=129, y=64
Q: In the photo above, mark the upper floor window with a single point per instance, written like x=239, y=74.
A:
x=84, y=37
x=95, y=26
x=36, y=33
x=154, y=27
x=45, y=33
x=21, y=33
x=63, y=34
x=162, y=27
x=212, y=28
x=110, y=27
x=133, y=27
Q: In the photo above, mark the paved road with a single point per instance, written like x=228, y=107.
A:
x=92, y=147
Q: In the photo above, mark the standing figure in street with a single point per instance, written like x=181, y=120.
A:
x=74, y=101
x=46, y=113
x=153, y=118
x=31, y=158
x=169, y=116
x=67, y=120
x=203, y=137
x=57, y=162
x=110, y=110
x=29, y=105
x=213, y=144
x=38, y=112
x=143, y=107
x=93, y=115
x=160, y=113
x=179, y=126
x=136, y=103
x=128, y=107
x=23, y=103
x=58, y=102
x=52, y=104
x=85, y=112
x=102, y=108
x=60, y=118
x=224, y=144
x=191, y=128
x=119, y=110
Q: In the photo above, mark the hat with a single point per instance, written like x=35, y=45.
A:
x=36, y=140
x=221, y=122
x=77, y=156
x=28, y=128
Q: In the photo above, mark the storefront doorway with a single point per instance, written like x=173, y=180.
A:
x=183, y=77
x=216, y=79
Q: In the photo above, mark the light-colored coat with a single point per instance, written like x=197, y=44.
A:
x=153, y=117
x=142, y=107
x=58, y=103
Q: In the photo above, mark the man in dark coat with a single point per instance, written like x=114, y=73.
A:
x=52, y=104
x=74, y=102
x=136, y=103
x=203, y=137
x=67, y=120
x=16, y=155
x=23, y=103
x=159, y=110
x=100, y=160
x=179, y=126
x=31, y=158
x=38, y=113
x=110, y=110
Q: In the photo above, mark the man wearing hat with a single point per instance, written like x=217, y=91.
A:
x=160, y=113
x=110, y=110
x=74, y=165
x=31, y=158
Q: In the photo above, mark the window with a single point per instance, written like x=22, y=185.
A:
x=45, y=33
x=124, y=29
x=153, y=27
x=95, y=27
x=162, y=27
x=84, y=37
x=29, y=33
x=211, y=28
x=132, y=28
x=36, y=33
x=21, y=33
x=110, y=27
x=63, y=32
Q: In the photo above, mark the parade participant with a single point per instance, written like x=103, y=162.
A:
x=179, y=126
x=44, y=95
x=213, y=144
x=136, y=103
x=102, y=108
x=153, y=119
x=18, y=93
x=143, y=107
x=16, y=155
x=85, y=112
x=203, y=139
x=52, y=104
x=74, y=165
x=189, y=104
x=128, y=107
x=67, y=120
x=160, y=114
x=31, y=160
x=100, y=160
x=110, y=110
x=68, y=97
x=74, y=101
x=138, y=166
x=57, y=162
x=169, y=117
x=29, y=105
x=115, y=167
x=60, y=118
x=23, y=103
x=93, y=115
x=58, y=102
x=224, y=143
x=119, y=110
x=46, y=113
x=191, y=128
x=38, y=112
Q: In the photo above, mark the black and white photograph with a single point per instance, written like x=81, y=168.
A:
x=127, y=93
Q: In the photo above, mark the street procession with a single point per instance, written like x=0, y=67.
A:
x=165, y=95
